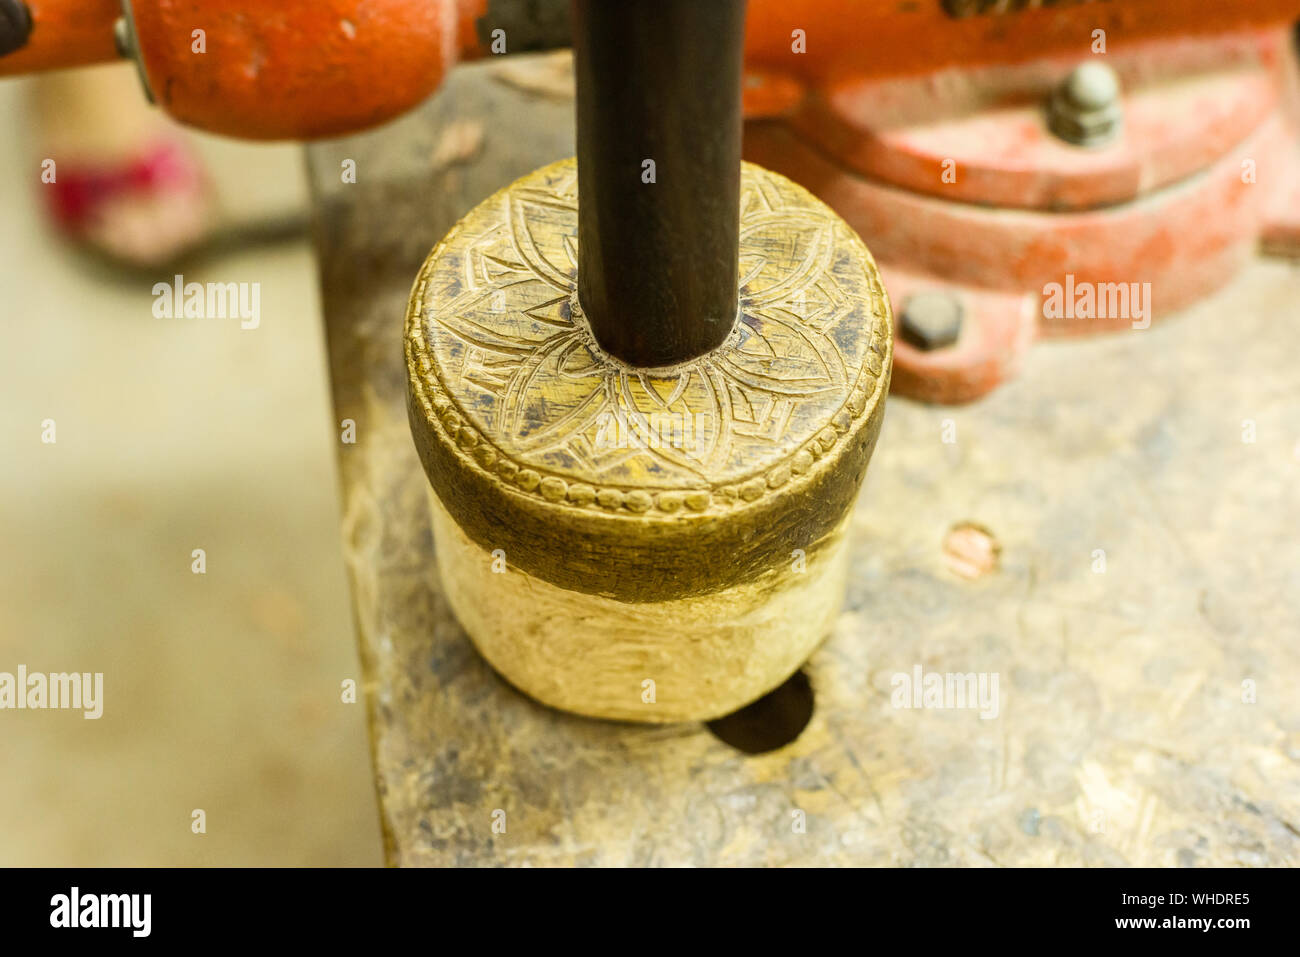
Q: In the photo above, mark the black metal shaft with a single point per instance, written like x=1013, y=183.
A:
x=658, y=173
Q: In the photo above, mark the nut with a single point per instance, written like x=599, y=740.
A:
x=1085, y=108
x=931, y=320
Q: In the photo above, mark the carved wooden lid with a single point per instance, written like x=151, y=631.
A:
x=645, y=484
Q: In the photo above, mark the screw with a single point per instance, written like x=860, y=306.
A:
x=123, y=38
x=931, y=320
x=971, y=551
x=1085, y=108
x=128, y=46
x=15, y=25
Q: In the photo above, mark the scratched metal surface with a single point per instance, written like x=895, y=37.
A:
x=1121, y=737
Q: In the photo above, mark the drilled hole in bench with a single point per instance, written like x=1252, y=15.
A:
x=772, y=721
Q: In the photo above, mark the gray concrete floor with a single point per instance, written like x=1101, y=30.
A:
x=222, y=690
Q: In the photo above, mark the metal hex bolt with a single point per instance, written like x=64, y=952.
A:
x=1085, y=108
x=931, y=320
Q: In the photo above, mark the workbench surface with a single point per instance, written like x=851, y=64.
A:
x=1144, y=620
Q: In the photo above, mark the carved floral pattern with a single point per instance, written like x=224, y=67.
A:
x=515, y=375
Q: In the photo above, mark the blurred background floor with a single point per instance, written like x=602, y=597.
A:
x=222, y=691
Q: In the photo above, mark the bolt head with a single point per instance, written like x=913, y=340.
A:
x=1085, y=108
x=1093, y=86
x=931, y=320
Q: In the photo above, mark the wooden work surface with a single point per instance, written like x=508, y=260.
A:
x=1122, y=736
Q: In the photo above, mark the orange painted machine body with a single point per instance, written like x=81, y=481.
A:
x=310, y=68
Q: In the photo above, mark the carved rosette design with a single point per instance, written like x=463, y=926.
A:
x=502, y=358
